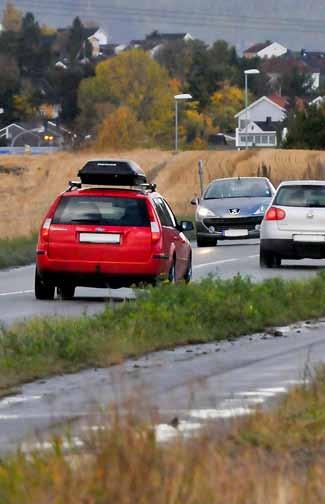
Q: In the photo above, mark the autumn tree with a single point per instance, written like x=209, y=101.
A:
x=11, y=18
x=120, y=130
x=134, y=80
x=224, y=104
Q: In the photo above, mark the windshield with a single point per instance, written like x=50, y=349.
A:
x=238, y=188
x=301, y=196
x=109, y=211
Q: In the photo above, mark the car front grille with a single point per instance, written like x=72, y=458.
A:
x=233, y=223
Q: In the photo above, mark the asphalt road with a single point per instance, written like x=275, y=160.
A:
x=193, y=384
x=16, y=286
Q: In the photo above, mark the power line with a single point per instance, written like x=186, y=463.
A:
x=182, y=18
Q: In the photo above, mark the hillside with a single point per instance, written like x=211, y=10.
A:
x=28, y=184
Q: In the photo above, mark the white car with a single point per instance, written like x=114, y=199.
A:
x=294, y=224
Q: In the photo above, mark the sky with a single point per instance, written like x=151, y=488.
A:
x=295, y=23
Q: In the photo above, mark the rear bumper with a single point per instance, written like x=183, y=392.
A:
x=289, y=249
x=100, y=274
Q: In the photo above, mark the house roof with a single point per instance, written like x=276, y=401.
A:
x=258, y=101
x=166, y=36
x=268, y=125
x=282, y=101
x=258, y=47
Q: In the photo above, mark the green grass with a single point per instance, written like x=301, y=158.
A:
x=17, y=251
x=161, y=317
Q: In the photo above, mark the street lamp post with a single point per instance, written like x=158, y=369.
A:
x=178, y=98
x=251, y=71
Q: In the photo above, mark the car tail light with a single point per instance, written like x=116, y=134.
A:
x=275, y=214
x=154, y=225
x=45, y=229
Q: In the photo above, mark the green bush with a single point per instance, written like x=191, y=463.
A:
x=17, y=251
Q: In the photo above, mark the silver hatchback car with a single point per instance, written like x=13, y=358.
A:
x=294, y=224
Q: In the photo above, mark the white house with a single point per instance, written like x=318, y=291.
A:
x=97, y=40
x=264, y=118
x=266, y=50
x=319, y=101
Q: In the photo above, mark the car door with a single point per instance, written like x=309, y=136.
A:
x=173, y=239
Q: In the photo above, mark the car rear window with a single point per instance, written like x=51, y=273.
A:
x=108, y=211
x=301, y=196
x=238, y=188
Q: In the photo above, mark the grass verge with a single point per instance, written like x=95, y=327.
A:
x=17, y=251
x=273, y=457
x=160, y=318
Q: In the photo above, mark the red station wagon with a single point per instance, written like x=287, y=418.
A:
x=117, y=236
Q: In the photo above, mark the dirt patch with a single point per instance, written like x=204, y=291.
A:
x=13, y=170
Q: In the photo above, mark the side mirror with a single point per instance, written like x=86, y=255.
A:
x=185, y=226
x=195, y=201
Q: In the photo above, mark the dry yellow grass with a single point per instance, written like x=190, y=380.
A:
x=179, y=181
x=273, y=457
x=25, y=197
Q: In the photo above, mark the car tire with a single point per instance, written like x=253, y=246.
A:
x=172, y=273
x=269, y=260
x=66, y=292
x=188, y=273
x=205, y=242
x=43, y=290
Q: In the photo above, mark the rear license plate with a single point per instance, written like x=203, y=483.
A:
x=234, y=233
x=309, y=238
x=100, y=238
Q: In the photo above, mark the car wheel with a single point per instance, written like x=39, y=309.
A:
x=172, y=273
x=269, y=260
x=205, y=242
x=188, y=273
x=43, y=290
x=66, y=292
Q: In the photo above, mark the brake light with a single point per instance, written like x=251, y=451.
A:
x=275, y=214
x=45, y=230
x=154, y=224
x=155, y=231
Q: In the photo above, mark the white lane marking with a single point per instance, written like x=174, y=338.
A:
x=263, y=393
x=16, y=293
x=206, y=414
x=223, y=261
x=273, y=390
x=74, y=442
x=18, y=400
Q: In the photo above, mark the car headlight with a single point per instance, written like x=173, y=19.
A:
x=261, y=210
x=205, y=212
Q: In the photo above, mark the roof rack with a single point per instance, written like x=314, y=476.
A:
x=75, y=184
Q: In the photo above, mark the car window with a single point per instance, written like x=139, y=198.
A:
x=238, y=188
x=170, y=213
x=301, y=196
x=109, y=211
x=163, y=212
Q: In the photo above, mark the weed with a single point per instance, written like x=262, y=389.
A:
x=17, y=251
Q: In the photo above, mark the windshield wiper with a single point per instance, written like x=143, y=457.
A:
x=86, y=221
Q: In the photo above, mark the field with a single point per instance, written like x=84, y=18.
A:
x=29, y=183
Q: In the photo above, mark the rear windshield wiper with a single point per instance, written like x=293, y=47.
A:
x=86, y=221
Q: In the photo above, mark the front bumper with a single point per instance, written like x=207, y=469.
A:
x=214, y=227
x=290, y=249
